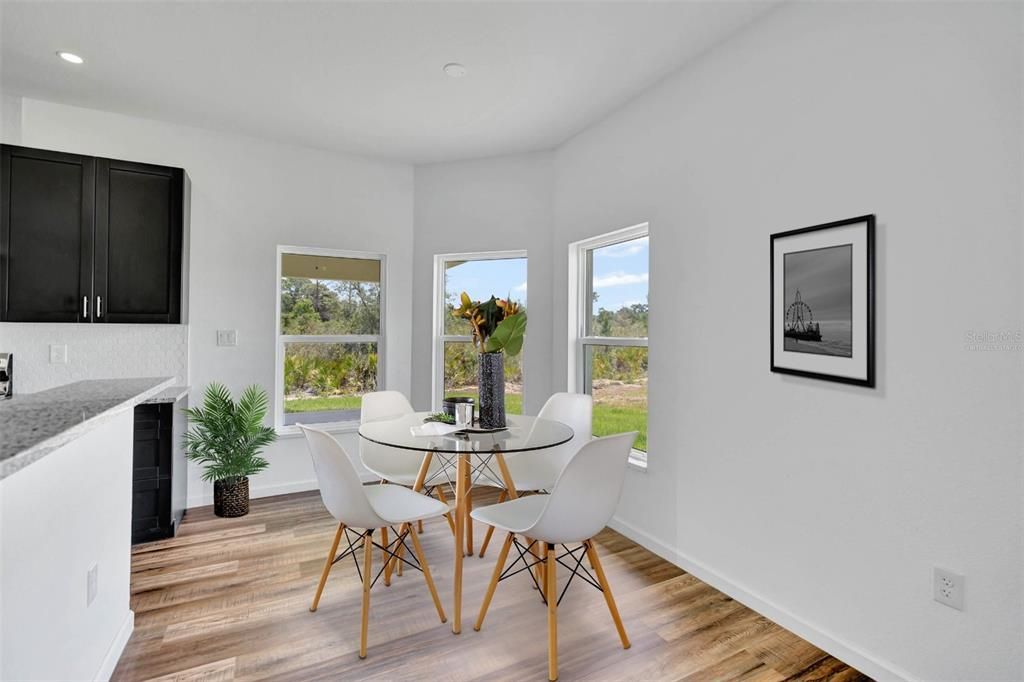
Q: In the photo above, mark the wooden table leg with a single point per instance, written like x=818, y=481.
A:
x=462, y=475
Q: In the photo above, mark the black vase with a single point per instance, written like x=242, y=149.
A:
x=492, y=390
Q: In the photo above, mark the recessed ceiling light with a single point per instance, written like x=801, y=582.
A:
x=70, y=57
x=455, y=70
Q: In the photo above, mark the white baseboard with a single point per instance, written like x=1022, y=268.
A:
x=206, y=499
x=851, y=655
x=116, y=648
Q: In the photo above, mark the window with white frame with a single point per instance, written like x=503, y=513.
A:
x=480, y=275
x=330, y=334
x=608, y=326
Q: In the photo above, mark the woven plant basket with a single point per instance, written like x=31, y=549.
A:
x=231, y=499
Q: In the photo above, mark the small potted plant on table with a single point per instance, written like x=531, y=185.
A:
x=226, y=438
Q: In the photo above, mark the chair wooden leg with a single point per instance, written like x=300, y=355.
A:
x=498, y=568
x=367, y=581
x=384, y=556
x=419, y=525
x=606, y=588
x=420, y=557
x=552, y=595
x=400, y=550
x=502, y=496
x=327, y=566
x=448, y=515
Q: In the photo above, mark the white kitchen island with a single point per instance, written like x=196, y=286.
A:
x=65, y=528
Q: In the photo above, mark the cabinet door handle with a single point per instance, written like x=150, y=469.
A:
x=85, y=307
x=99, y=306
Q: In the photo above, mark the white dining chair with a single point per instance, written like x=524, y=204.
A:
x=392, y=465
x=581, y=503
x=537, y=471
x=368, y=508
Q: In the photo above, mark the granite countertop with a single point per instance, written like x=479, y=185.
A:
x=171, y=394
x=32, y=425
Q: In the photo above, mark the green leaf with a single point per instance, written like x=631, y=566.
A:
x=491, y=314
x=508, y=336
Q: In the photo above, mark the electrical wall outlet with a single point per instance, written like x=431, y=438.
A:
x=227, y=337
x=91, y=584
x=58, y=354
x=949, y=588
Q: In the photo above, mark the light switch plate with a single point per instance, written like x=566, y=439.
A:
x=58, y=354
x=227, y=337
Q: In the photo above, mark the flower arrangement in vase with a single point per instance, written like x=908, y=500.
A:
x=499, y=328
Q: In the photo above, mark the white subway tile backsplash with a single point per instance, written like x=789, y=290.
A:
x=94, y=351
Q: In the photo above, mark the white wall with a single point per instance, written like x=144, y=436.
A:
x=58, y=517
x=489, y=205
x=826, y=506
x=248, y=196
x=10, y=118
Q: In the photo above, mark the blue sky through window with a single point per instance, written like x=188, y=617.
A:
x=620, y=273
x=483, y=278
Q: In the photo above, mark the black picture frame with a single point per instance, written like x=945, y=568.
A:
x=867, y=319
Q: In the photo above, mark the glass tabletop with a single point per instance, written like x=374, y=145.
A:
x=523, y=434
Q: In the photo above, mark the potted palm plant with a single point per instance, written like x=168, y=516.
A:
x=499, y=327
x=226, y=438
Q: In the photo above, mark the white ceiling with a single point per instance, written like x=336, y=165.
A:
x=363, y=77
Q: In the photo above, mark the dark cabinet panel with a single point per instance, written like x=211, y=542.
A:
x=89, y=240
x=138, y=242
x=46, y=235
x=158, y=472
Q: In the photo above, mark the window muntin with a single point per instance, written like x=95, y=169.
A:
x=329, y=335
x=610, y=345
x=481, y=275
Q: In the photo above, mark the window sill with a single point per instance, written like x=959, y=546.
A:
x=339, y=427
x=637, y=463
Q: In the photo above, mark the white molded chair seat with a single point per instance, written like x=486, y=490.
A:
x=516, y=516
x=370, y=508
x=539, y=470
x=395, y=504
x=581, y=503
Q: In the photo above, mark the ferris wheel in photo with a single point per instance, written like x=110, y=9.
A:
x=799, y=321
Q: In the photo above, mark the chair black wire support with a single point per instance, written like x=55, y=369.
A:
x=477, y=472
x=399, y=540
x=577, y=569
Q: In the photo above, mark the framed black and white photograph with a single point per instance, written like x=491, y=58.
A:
x=823, y=301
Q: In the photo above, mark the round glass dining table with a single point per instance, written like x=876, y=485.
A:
x=524, y=434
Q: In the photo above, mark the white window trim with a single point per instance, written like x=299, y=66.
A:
x=579, y=301
x=280, y=340
x=439, y=337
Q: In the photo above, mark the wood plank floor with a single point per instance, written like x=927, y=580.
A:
x=228, y=599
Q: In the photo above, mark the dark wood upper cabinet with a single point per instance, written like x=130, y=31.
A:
x=84, y=239
x=138, y=242
x=46, y=235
